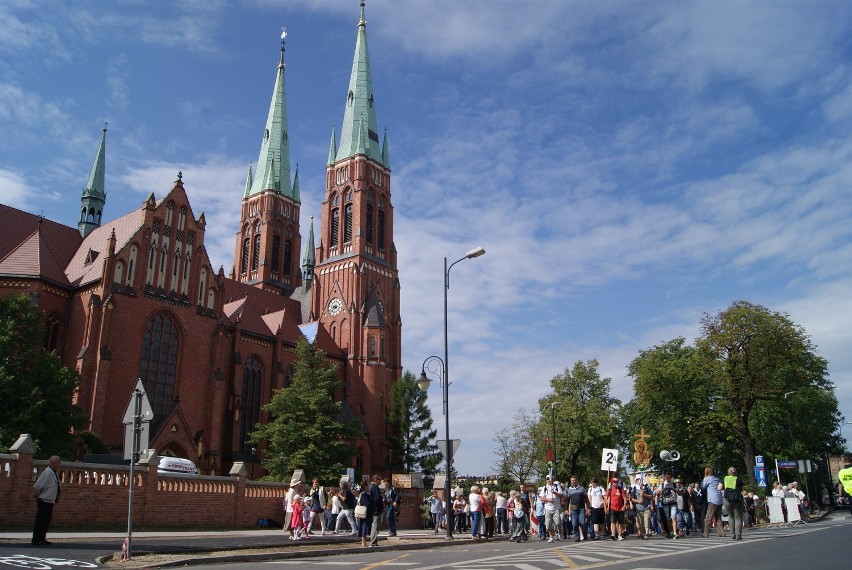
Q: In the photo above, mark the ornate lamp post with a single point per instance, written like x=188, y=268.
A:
x=424, y=381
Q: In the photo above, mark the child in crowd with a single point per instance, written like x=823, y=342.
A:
x=296, y=522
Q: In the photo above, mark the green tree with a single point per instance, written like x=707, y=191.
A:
x=306, y=429
x=722, y=400
x=412, y=435
x=758, y=355
x=518, y=448
x=585, y=416
x=672, y=404
x=35, y=389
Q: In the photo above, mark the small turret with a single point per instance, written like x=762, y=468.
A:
x=94, y=196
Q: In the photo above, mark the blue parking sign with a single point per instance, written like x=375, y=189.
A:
x=758, y=461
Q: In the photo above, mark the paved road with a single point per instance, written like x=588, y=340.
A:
x=824, y=544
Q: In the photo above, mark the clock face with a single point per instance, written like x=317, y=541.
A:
x=334, y=306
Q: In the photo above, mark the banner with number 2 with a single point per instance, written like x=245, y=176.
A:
x=609, y=460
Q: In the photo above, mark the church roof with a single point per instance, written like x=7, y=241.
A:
x=32, y=246
x=260, y=312
x=86, y=266
x=359, y=133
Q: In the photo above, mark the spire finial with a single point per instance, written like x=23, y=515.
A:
x=180, y=175
x=106, y=124
x=283, y=43
x=362, y=21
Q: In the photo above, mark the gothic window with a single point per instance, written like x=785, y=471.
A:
x=276, y=252
x=182, y=218
x=335, y=226
x=158, y=364
x=255, y=254
x=288, y=256
x=347, y=224
x=185, y=281
x=380, y=230
x=131, y=263
x=119, y=273
x=372, y=346
x=83, y=215
x=51, y=332
x=211, y=298
x=369, y=224
x=169, y=213
x=245, y=258
x=252, y=379
x=382, y=347
x=202, y=286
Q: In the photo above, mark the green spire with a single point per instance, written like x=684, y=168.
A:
x=94, y=195
x=248, y=183
x=273, y=163
x=385, y=151
x=332, y=148
x=309, y=261
x=295, y=195
x=359, y=103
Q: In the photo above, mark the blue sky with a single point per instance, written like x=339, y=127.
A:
x=628, y=166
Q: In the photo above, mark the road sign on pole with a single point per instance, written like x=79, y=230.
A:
x=758, y=461
x=760, y=475
x=442, y=446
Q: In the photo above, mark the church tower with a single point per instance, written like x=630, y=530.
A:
x=94, y=196
x=355, y=280
x=268, y=240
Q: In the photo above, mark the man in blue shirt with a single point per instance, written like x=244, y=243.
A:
x=710, y=486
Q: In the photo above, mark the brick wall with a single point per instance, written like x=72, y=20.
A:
x=97, y=495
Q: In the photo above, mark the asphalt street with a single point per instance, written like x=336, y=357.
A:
x=822, y=544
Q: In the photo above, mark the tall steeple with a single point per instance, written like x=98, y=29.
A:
x=309, y=261
x=360, y=105
x=273, y=163
x=94, y=196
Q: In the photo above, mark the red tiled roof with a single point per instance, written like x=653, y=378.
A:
x=81, y=273
x=35, y=246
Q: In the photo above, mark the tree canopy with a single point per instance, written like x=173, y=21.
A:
x=36, y=391
x=307, y=429
x=723, y=400
x=519, y=451
x=412, y=439
x=585, y=416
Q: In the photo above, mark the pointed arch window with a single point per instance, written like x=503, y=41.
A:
x=51, y=332
x=118, y=274
x=202, y=285
x=335, y=226
x=347, y=224
x=276, y=252
x=182, y=218
x=158, y=365
x=288, y=253
x=380, y=225
x=131, y=264
x=169, y=213
x=252, y=381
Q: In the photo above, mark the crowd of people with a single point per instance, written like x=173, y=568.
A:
x=610, y=509
x=614, y=509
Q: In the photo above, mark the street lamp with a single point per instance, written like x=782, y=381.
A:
x=424, y=381
x=553, y=433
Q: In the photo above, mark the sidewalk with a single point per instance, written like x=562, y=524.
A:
x=192, y=547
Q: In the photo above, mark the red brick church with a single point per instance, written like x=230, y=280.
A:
x=137, y=297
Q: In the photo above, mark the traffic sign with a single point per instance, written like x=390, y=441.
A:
x=758, y=461
x=442, y=446
x=147, y=413
x=760, y=475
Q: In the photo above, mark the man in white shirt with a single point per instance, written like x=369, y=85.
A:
x=551, y=495
x=596, y=502
x=46, y=492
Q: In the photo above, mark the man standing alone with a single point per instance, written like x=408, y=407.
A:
x=46, y=492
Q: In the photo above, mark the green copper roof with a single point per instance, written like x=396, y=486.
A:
x=295, y=193
x=273, y=163
x=248, y=183
x=310, y=250
x=360, y=105
x=95, y=185
x=332, y=148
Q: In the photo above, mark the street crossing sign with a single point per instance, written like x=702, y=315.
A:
x=760, y=475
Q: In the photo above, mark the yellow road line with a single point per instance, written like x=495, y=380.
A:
x=566, y=559
x=382, y=563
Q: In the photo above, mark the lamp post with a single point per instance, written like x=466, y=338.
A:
x=553, y=433
x=790, y=427
x=424, y=381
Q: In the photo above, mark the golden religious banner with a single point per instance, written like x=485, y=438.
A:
x=641, y=457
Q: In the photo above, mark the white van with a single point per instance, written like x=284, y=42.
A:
x=176, y=465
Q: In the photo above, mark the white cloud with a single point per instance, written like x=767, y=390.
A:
x=14, y=191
